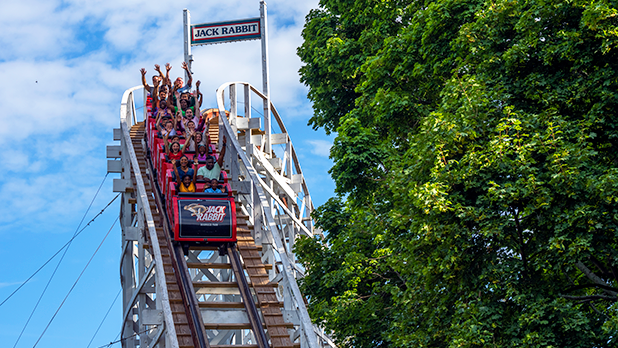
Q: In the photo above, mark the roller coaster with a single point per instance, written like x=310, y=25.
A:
x=239, y=291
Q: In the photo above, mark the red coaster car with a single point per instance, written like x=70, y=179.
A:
x=202, y=217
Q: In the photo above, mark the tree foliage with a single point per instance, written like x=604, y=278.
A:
x=476, y=162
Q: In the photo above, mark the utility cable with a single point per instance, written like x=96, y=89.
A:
x=105, y=317
x=59, y=262
x=123, y=339
x=59, y=250
x=75, y=283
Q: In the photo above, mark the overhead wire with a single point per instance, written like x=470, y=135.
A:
x=75, y=283
x=59, y=262
x=58, y=252
x=105, y=317
x=123, y=339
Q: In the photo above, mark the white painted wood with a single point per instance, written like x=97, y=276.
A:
x=255, y=139
x=279, y=138
x=114, y=166
x=113, y=151
x=130, y=233
x=121, y=185
x=152, y=317
x=117, y=133
x=243, y=187
x=277, y=163
x=249, y=123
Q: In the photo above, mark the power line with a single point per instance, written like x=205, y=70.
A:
x=123, y=339
x=59, y=262
x=105, y=317
x=59, y=250
x=75, y=283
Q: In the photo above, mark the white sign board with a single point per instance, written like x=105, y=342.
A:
x=210, y=33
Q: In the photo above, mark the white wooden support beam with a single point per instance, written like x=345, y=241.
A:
x=114, y=166
x=243, y=187
x=297, y=181
x=130, y=233
x=255, y=139
x=276, y=163
x=113, y=151
x=249, y=123
x=117, y=134
x=233, y=108
x=151, y=317
x=280, y=180
x=121, y=185
x=278, y=138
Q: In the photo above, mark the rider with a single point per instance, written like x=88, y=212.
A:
x=212, y=170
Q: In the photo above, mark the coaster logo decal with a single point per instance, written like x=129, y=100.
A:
x=212, y=213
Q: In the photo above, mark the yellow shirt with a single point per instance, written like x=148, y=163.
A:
x=183, y=188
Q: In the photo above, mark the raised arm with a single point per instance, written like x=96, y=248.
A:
x=146, y=86
x=168, y=67
x=178, y=179
x=166, y=145
x=190, y=79
x=175, y=121
x=200, y=97
x=155, y=93
x=159, y=118
x=158, y=69
x=222, y=154
x=183, y=148
x=195, y=162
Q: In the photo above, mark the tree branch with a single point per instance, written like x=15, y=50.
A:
x=593, y=277
x=591, y=297
x=583, y=286
x=598, y=264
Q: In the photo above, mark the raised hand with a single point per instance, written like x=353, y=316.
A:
x=143, y=71
x=168, y=67
x=157, y=68
x=197, y=84
x=185, y=66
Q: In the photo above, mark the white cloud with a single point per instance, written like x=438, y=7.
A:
x=320, y=147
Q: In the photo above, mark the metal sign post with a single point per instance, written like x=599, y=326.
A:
x=265, y=76
x=187, y=34
x=239, y=30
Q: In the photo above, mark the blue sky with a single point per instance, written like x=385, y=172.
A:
x=65, y=65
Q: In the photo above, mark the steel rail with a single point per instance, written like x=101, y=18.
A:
x=247, y=298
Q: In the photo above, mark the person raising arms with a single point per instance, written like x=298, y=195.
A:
x=187, y=183
x=173, y=151
x=212, y=170
x=183, y=169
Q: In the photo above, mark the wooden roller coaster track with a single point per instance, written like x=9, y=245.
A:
x=241, y=294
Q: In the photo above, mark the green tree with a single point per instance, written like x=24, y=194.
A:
x=476, y=162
